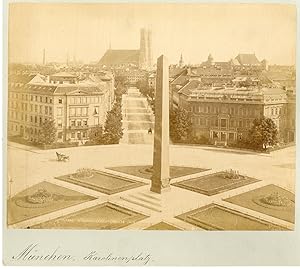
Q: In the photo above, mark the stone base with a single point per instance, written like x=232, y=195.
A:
x=160, y=186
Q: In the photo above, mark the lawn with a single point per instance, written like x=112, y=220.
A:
x=214, y=183
x=217, y=218
x=141, y=170
x=252, y=198
x=104, y=182
x=163, y=226
x=106, y=216
x=19, y=209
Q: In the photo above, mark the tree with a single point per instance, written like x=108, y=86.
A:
x=47, y=135
x=96, y=135
x=113, y=131
x=263, y=133
x=180, y=125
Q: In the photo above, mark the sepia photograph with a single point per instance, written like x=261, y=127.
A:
x=150, y=117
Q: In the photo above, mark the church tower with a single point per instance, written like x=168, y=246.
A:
x=145, y=58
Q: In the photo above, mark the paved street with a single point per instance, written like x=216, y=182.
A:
x=137, y=118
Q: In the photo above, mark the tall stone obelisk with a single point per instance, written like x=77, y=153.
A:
x=160, y=180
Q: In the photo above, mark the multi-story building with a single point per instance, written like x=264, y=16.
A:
x=225, y=114
x=76, y=106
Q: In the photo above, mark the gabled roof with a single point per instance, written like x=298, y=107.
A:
x=24, y=78
x=247, y=59
x=117, y=57
x=191, y=85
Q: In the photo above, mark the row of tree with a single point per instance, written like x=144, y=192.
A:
x=112, y=131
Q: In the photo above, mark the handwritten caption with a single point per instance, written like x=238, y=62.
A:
x=36, y=253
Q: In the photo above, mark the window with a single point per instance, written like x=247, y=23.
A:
x=36, y=98
x=31, y=119
x=46, y=99
x=72, y=111
x=72, y=100
x=35, y=119
x=223, y=123
x=41, y=120
x=84, y=134
x=59, y=135
x=78, y=111
x=79, y=135
x=46, y=110
x=50, y=100
x=59, y=123
x=72, y=122
x=96, y=121
x=231, y=136
x=60, y=101
x=84, y=100
x=59, y=111
x=96, y=110
x=41, y=98
x=84, y=111
x=73, y=135
x=79, y=123
x=50, y=110
x=31, y=108
x=31, y=97
x=41, y=109
x=85, y=122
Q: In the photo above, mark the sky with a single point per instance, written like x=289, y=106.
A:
x=85, y=31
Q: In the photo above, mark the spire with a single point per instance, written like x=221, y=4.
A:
x=181, y=61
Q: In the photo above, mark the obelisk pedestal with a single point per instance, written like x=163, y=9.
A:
x=160, y=180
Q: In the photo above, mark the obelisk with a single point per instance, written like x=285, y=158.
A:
x=160, y=180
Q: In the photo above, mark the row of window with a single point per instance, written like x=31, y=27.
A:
x=245, y=111
x=77, y=122
x=47, y=110
x=33, y=98
x=214, y=122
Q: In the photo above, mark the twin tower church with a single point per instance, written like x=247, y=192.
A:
x=122, y=58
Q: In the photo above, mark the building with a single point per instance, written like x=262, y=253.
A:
x=138, y=58
x=76, y=106
x=225, y=114
x=131, y=76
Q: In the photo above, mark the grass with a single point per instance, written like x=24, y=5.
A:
x=140, y=170
x=214, y=183
x=249, y=200
x=163, y=226
x=17, y=213
x=106, y=216
x=217, y=218
x=104, y=182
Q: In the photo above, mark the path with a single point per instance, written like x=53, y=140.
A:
x=137, y=118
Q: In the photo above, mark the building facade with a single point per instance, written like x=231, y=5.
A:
x=224, y=115
x=75, y=106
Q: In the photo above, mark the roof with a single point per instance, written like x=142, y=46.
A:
x=175, y=71
x=63, y=74
x=247, y=59
x=180, y=80
x=191, y=85
x=117, y=57
x=24, y=78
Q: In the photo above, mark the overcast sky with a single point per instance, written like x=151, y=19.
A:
x=195, y=30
